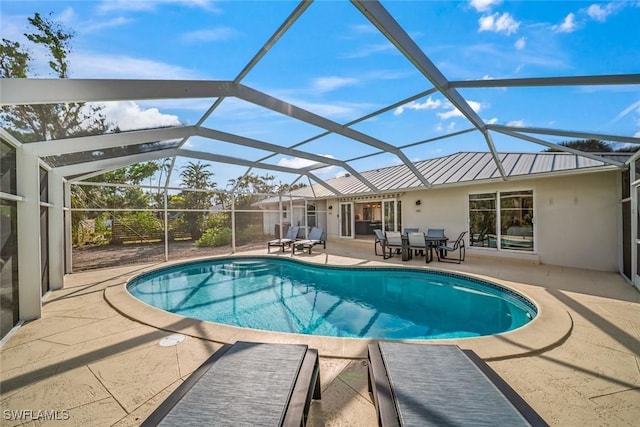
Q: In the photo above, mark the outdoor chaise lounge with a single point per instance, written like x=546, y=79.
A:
x=292, y=233
x=246, y=384
x=316, y=237
x=441, y=385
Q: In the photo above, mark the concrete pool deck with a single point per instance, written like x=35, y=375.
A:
x=96, y=366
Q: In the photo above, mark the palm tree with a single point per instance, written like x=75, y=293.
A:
x=196, y=176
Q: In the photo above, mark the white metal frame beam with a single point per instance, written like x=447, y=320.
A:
x=111, y=140
x=571, y=134
x=52, y=91
x=610, y=79
x=322, y=161
x=560, y=147
x=113, y=163
x=274, y=104
x=242, y=162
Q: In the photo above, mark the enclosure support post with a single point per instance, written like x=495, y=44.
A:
x=166, y=228
x=68, y=241
x=280, y=216
x=233, y=222
x=56, y=230
x=28, y=183
x=306, y=220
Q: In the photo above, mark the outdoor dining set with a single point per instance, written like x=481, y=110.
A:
x=412, y=242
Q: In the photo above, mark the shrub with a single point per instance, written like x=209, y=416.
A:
x=214, y=237
x=249, y=233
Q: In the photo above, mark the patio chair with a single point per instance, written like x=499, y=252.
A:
x=380, y=240
x=441, y=385
x=443, y=251
x=481, y=238
x=435, y=232
x=316, y=237
x=292, y=234
x=393, y=241
x=243, y=383
x=406, y=231
x=417, y=242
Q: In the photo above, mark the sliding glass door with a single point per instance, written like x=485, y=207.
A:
x=346, y=219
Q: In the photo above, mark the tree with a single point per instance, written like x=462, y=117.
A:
x=596, y=146
x=29, y=123
x=196, y=176
x=590, y=145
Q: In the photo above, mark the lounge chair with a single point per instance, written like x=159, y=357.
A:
x=292, y=234
x=443, y=251
x=316, y=237
x=380, y=240
x=441, y=385
x=246, y=384
x=393, y=241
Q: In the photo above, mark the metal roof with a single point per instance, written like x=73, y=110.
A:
x=462, y=168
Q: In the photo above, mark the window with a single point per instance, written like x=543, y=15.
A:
x=482, y=220
x=509, y=212
x=516, y=219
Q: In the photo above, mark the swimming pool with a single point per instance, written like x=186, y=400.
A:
x=285, y=295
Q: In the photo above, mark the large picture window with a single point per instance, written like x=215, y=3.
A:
x=502, y=220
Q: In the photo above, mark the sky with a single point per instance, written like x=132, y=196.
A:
x=334, y=63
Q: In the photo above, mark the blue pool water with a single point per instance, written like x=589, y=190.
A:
x=285, y=295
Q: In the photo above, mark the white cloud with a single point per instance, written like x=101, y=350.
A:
x=499, y=23
x=151, y=5
x=429, y=104
x=521, y=43
x=484, y=5
x=517, y=123
x=211, y=34
x=110, y=23
x=67, y=16
x=369, y=50
x=454, y=112
x=567, y=26
x=298, y=163
x=599, y=13
x=334, y=110
x=90, y=65
x=327, y=84
x=128, y=115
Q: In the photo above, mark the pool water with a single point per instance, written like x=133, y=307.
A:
x=285, y=295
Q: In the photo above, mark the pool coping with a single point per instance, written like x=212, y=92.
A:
x=548, y=329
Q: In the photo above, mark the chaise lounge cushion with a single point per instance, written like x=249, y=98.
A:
x=441, y=385
x=244, y=384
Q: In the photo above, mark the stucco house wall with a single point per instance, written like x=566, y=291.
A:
x=575, y=225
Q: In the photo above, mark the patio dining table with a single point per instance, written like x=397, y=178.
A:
x=434, y=242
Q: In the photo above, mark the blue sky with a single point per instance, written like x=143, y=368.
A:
x=334, y=63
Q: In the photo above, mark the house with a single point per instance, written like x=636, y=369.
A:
x=551, y=207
